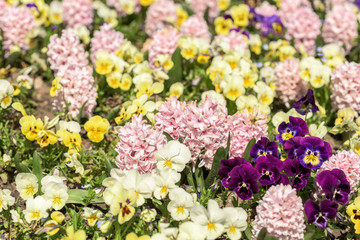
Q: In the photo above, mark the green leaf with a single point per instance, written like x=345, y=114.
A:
x=109, y=165
x=77, y=196
x=19, y=166
x=248, y=233
x=262, y=234
x=231, y=106
x=176, y=73
x=270, y=238
x=168, y=137
x=246, y=154
x=228, y=146
x=81, y=110
x=113, y=113
x=12, y=58
x=36, y=169
x=219, y=155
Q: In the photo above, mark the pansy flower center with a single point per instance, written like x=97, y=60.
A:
x=287, y=135
x=312, y=158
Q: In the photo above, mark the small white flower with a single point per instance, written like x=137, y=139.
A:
x=6, y=199
x=191, y=231
x=235, y=222
x=148, y=215
x=319, y=131
x=164, y=182
x=26, y=184
x=6, y=158
x=212, y=218
x=92, y=215
x=57, y=194
x=174, y=156
x=70, y=126
x=15, y=216
x=180, y=204
x=6, y=93
x=36, y=208
x=51, y=178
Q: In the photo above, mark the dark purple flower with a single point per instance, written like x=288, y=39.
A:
x=264, y=147
x=320, y=215
x=313, y=152
x=284, y=180
x=292, y=167
x=269, y=168
x=291, y=146
x=243, y=181
x=306, y=104
x=335, y=185
x=295, y=127
x=32, y=5
x=271, y=25
x=227, y=165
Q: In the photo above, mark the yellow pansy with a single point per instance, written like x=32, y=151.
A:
x=176, y=89
x=55, y=86
x=222, y=25
x=70, y=140
x=96, y=128
x=223, y=4
x=72, y=235
x=240, y=14
x=204, y=56
x=51, y=227
x=126, y=82
x=123, y=115
x=19, y=107
x=133, y=236
x=343, y=114
x=286, y=52
x=31, y=127
x=114, y=79
x=46, y=137
x=146, y=2
x=182, y=15
x=104, y=63
x=141, y=106
x=353, y=210
x=188, y=50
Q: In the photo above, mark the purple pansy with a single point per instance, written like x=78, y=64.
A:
x=263, y=147
x=306, y=104
x=243, y=181
x=269, y=168
x=292, y=167
x=271, y=25
x=227, y=165
x=313, y=152
x=319, y=215
x=335, y=185
x=295, y=127
x=291, y=146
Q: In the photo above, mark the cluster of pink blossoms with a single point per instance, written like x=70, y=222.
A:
x=68, y=59
x=199, y=7
x=195, y=26
x=158, y=15
x=137, y=146
x=77, y=13
x=340, y=26
x=279, y=209
x=164, y=42
x=289, y=85
x=120, y=10
x=106, y=39
x=289, y=7
x=207, y=126
x=266, y=9
x=345, y=86
x=234, y=39
x=16, y=23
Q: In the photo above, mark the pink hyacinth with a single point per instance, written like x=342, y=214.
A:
x=2, y=6
x=304, y=26
x=77, y=13
x=289, y=7
x=164, y=42
x=281, y=212
x=243, y=128
x=199, y=7
x=234, y=39
x=105, y=39
x=340, y=26
x=66, y=50
x=266, y=9
x=348, y=162
x=159, y=14
x=16, y=23
x=289, y=85
x=120, y=10
x=332, y=3
x=137, y=146
x=169, y=117
x=204, y=127
x=345, y=86
x=77, y=87
x=195, y=26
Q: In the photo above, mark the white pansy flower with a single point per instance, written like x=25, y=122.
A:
x=235, y=222
x=36, y=208
x=180, y=204
x=164, y=182
x=15, y=216
x=174, y=156
x=6, y=93
x=318, y=131
x=92, y=215
x=51, y=178
x=57, y=194
x=6, y=200
x=26, y=185
x=191, y=231
x=70, y=126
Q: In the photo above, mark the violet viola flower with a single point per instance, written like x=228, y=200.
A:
x=306, y=104
x=243, y=181
x=271, y=25
x=291, y=146
x=227, y=165
x=284, y=180
x=313, y=152
x=335, y=185
x=292, y=167
x=264, y=147
x=269, y=168
x=295, y=127
x=319, y=215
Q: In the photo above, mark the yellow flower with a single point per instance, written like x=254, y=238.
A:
x=31, y=127
x=188, y=50
x=353, y=210
x=46, y=137
x=17, y=90
x=240, y=14
x=146, y=2
x=133, y=236
x=222, y=25
x=96, y=128
x=72, y=235
x=286, y=52
x=177, y=89
x=114, y=79
x=182, y=15
x=344, y=114
x=55, y=86
x=223, y=4
x=204, y=57
x=124, y=115
x=70, y=140
x=51, y=227
x=19, y=107
x=141, y=106
x=104, y=63
x=126, y=82
x=122, y=203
